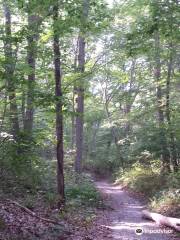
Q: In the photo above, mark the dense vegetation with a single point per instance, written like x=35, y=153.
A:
x=89, y=86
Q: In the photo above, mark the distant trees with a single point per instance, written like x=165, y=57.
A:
x=142, y=97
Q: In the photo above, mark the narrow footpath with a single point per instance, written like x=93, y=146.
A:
x=125, y=218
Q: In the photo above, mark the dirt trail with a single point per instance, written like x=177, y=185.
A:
x=125, y=217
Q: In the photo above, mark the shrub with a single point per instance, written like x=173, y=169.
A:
x=161, y=190
x=167, y=201
x=142, y=179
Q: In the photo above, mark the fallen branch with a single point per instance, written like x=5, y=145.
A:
x=27, y=210
x=162, y=220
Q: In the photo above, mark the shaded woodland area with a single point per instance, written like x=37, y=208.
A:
x=87, y=88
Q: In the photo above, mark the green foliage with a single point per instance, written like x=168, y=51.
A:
x=162, y=191
x=121, y=125
x=142, y=179
x=82, y=191
x=167, y=199
x=21, y=168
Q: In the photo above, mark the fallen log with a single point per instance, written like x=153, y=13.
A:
x=162, y=220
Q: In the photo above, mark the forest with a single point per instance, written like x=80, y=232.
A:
x=89, y=119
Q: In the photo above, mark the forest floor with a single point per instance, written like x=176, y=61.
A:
x=125, y=216
x=117, y=218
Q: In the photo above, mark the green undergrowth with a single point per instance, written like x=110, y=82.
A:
x=35, y=183
x=161, y=191
x=36, y=189
x=80, y=190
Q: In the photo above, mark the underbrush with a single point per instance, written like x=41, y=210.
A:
x=32, y=180
x=34, y=187
x=21, y=171
x=81, y=190
x=167, y=201
x=161, y=191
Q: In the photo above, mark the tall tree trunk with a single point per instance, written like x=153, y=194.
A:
x=9, y=72
x=23, y=112
x=31, y=60
x=130, y=98
x=80, y=107
x=168, y=112
x=80, y=92
x=73, y=129
x=59, y=113
x=162, y=132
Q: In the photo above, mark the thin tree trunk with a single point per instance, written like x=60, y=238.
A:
x=162, y=132
x=168, y=113
x=31, y=60
x=73, y=130
x=80, y=93
x=59, y=114
x=4, y=113
x=129, y=101
x=23, y=110
x=9, y=73
x=80, y=107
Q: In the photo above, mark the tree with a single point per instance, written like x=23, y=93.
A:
x=33, y=23
x=10, y=62
x=171, y=9
x=59, y=104
x=80, y=89
x=162, y=132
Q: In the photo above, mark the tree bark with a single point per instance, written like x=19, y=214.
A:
x=73, y=126
x=73, y=129
x=162, y=132
x=3, y=113
x=9, y=72
x=80, y=92
x=32, y=38
x=172, y=144
x=80, y=107
x=130, y=98
x=59, y=113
